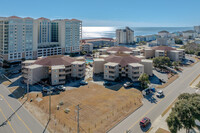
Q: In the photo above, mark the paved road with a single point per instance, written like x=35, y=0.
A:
x=152, y=108
x=14, y=118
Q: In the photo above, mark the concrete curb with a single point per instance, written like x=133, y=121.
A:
x=124, y=118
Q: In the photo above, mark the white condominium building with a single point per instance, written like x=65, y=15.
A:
x=124, y=36
x=31, y=38
x=16, y=38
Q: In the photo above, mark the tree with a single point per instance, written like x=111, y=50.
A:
x=161, y=62
x=144, y=80
x=178, y=41
x=184, y=113
x=176, y=64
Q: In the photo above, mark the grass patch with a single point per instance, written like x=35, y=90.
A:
x=172, y=79
x=168, y=108
x=160, y=130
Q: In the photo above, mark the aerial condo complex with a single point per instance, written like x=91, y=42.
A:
x=111, y=67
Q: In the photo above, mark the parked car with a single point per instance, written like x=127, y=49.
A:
x=159, y=93
x=128, y=84
x=61, y=88
x=145, y=122
x=83, y=82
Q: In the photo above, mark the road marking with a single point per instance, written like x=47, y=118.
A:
x=155, y=105
x=16, y=114
x=7, y=121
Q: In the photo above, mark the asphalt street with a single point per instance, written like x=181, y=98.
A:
x=153, y=107
x=14, y=118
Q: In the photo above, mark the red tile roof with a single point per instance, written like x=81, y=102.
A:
x=119, y=49
x=123, y=60
x=14, y=17
x=28, y=18
x=55, y=60
x=165, y=48
x=44, y=18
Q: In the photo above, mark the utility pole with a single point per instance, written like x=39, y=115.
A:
x=50, y=104
x=78, y=108
x=27, y=88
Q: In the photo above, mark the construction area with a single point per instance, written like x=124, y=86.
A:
x=100, y=108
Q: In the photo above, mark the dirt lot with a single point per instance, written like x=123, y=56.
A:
x=101, y=108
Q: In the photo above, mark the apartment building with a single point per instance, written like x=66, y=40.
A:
x=164, y=34
x=31, y=38
x=87, y=47
x=172, y=53
x=57, y=68
x=125, y=36
x=16, y=38
x=100, y=42
x=120, y=50
x=34, y=73
x=189, y=34
x=122, y=66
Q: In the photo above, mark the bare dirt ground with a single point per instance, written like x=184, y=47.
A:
x=101, y=108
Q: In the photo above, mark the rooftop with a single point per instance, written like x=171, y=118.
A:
x=58, y=67
x=29, y=61
x=119, y=49
x=33, y=66
x=135, y=64
x=122, y=59
x=165, y=48
x=55, y=60
x=98, y=59
x=78, y=62
x=111, y=64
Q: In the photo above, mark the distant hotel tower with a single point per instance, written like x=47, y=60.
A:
x=124, y=36
x=30, y=38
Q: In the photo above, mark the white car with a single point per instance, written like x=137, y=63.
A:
x=159, y=93
x=128, y=84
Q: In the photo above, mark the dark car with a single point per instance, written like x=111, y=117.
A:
x=145, y=122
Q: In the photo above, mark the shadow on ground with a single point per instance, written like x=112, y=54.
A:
x=145, y=129
x=150, y=98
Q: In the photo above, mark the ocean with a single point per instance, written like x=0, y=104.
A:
x=109, y=32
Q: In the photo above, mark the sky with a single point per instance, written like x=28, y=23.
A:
x=135, y=13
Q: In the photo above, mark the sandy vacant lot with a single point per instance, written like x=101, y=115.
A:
x=101, y=108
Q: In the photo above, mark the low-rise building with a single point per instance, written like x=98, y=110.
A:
x=87, y=47
x=189, y=34
x=122, y=66
x=100, y=42
x=172, y=53
x=56, y=68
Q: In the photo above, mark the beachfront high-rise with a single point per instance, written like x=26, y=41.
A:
x=16, y=38
x=31, y=38
x=125, y=36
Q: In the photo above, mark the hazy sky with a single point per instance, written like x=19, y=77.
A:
x=136, y=13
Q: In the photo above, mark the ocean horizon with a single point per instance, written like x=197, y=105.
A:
x=109, y=32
